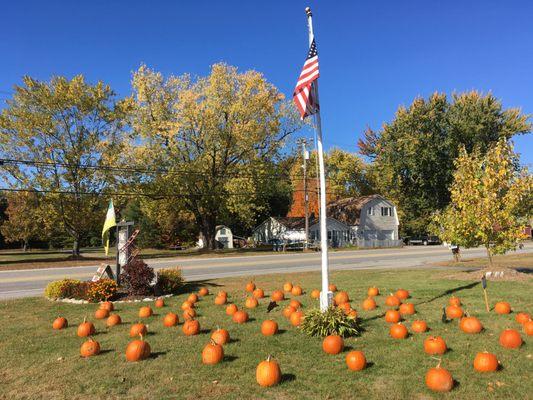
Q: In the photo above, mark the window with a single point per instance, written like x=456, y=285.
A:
x=386, y=211
x=370, y=211
x=222, y=231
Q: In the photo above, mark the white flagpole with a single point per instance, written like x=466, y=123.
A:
x=325, y=294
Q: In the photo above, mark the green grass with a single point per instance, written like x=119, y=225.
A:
x=39, y=363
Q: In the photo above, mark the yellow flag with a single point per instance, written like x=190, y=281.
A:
x=108, y=224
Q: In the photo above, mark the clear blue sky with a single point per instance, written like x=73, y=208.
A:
x=374, y=55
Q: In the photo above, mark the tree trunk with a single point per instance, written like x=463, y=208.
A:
x=489, y=255
x=76, y=248
x=25, y=245
x=208, y=229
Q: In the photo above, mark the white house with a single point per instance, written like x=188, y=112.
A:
x=281, y=228
x=223, y=235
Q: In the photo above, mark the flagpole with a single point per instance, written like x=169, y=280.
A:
x=325, y=294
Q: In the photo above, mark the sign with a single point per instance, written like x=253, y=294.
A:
x=103, y=269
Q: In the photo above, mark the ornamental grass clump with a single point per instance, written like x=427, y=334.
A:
x=170, y=280
x=333, y=321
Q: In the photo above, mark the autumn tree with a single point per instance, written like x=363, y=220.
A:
x=488, y=195
x=55, y=137
x=24, y=219
x=413, y=155
x=216, y=140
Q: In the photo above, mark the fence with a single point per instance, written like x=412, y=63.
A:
x=378, y=243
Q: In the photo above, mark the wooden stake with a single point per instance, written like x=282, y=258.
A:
x=484, y=285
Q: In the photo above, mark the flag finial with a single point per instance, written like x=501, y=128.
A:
x=308, y=11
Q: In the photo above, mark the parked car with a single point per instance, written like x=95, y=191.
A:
x=424, y=240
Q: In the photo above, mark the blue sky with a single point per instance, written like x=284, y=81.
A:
x=374, y=56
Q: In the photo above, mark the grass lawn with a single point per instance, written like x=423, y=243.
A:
x=40, y=363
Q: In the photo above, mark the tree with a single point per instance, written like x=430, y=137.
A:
x=217, y=138
x=58, y=135
x=23, y=221
x=487, y=201
x=413, y=155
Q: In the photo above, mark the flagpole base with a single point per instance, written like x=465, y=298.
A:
x=326, y=300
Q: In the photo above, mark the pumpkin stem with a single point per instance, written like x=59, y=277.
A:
x=439, y=360
x=141, y=335
x=85, y=319
x=213, y=342
x=269, y=357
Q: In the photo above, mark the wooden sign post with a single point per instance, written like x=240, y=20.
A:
x=484, y=285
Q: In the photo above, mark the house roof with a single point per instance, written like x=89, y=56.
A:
x=348, y=210
x=291, y=222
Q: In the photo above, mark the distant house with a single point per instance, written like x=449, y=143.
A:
x=223, y=236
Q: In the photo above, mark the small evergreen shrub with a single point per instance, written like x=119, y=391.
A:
x=137, y=278
x=333, y=321
x=170, y=280
x=101, y=290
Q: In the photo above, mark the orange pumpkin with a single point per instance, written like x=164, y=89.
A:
x=101, y=313
x=296, y=318
x=522, y=317
x=402, y=294
x=240, y=317
x=90, y=348
x=372, y=291
x=186, y=305
x=191, y=327
x=453, y=312
x=193, y=298
x=528, y=328
x=439, y=379
x=502, y=307
x=352, y=313
x=251, y=302
x=277, y=295
x=250, y=287
x=398, y=331
x=392, y=301
x=287, y=287
x=269, y=327
x=189, y=314
x=485, y=362
x=108, y=305
x=170, y=320
x=222, y=293
x=333, y=344
x=315, y=294
x=346, y=307
x=295, y=303
x=407, y=309
x=332, y=287
x=258, y=293
x=392, y=316
x=435, y=345
x=137, y=350
x=159, y=303
x=138, y=330
x=470, y=325
x=203, y=291
x=297, y=290
x=231, y=309
x=341, y=297
x=86, y=329
x=113, y=319
x=287, y=311
x=268, y=373
x=220, y=336
x=510, y=339
x=419, y=326
x=454, y=301
x=356, y=360
x=145, y=312
x=60, y=323
x=212, y=353
x=220, y=300
x=369, y=304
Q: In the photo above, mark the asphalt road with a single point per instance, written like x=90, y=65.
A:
x=24, y=283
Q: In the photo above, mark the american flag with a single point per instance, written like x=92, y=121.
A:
x=304, y=93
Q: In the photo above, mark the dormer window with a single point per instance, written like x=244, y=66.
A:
x=386, y=212
x=370, y=211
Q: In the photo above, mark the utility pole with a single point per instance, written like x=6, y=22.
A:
x=305, y=156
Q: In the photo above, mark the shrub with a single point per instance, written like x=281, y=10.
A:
x=101, y=290
x=74, y=289
x=170, y=280
x=137, y=278
x=331, y=322
x=65, y=288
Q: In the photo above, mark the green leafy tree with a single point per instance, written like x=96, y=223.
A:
x=24, y=219
x=487, y=201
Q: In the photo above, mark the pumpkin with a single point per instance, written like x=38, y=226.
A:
x=485, y=362
x=435, y=345
x=402, y=294
x=352, y=313
x=287, y=311
x=287, y=287
x=60, y=323
x=369, y=304
x=186, y=305
x=346, y=307
x=212, y=353
x=295, y=303
x=454, y=312
x=333, y=344
x=189, y=314
x=332, y=287
x=407, y=309
x=528, y=328
x=454, y=301
x=341, y=297
x=258, y=293
x=101, y=313
x=193, y=298
x=315, y=294
x=392, y=316
x=220, y=300
x=145, y=312
x=138, y=329
x=419, y=326
x=277, y=295
x=356, y=360
x=203, y=291
x=297, y=290
x=392, y=301
x=86, y=329
x=522, y=318
x=296, y=318
x=510, y=339
x=398, y=331
x=170, y=320
x=240, y=317
x=372, y=291
x=250, y=287
x=113, y=319
x=470, y=325
x=269, y=327
x=108, y=305
x=439, y=379
x=90, y=348
x=502, y=307
x=159, y=303
x=220, y=336
x=251, y=302
x=222, y=293
x=191, y=327
x=137, y=350
x=231, y=309
x=268, y=373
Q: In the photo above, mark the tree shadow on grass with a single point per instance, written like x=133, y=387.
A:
x=194, y=286
x=448, y=292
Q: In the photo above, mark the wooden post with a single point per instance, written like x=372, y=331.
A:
x=484, y=285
